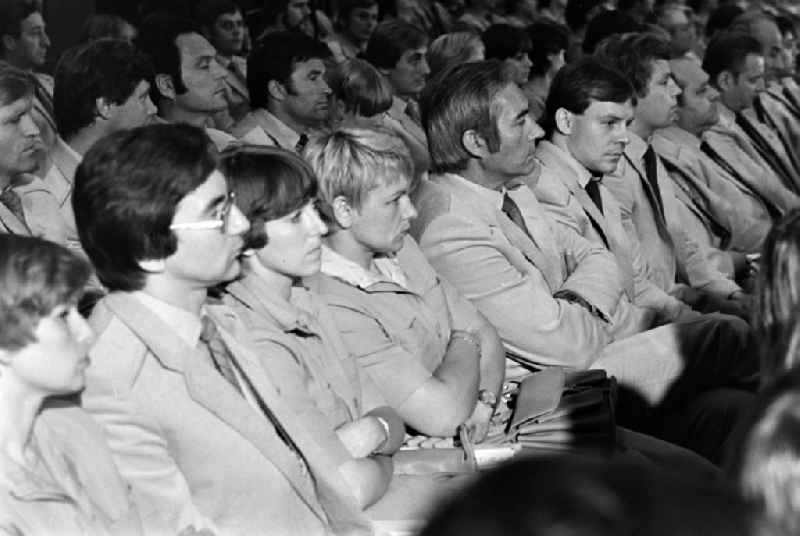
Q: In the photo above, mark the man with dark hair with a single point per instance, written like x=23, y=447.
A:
x=357, y=20
x=398, y=50
x=195, y=426
x=20, y=146
x=100, y=88
x=189, y=84
x=223, y=25
x=735, y=65
x=25, y=43
x=288, y=91
x=676, y=19
x=650, y=209
x=554, y=297
x=720, y=211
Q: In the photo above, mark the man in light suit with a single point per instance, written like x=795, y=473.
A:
x=555, y=298
x=586, y=118
x=288, y=91
x=651, y=210
x=719, y=213
x=735, y=66
x=193, y=421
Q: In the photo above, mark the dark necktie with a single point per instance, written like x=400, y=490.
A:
x=593, y=189
x=12, y=202
x=412, y=111
x=301, y=143
x=710, y=152
x=651, y=171
x=46, y=101
x=513, y=212
x=765, y=150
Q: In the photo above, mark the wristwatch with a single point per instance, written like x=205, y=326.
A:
x=487, y=398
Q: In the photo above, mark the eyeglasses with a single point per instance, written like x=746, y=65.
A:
x=221, y=222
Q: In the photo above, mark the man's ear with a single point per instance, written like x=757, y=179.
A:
x=563, y=120
x=102, y=107
x=152, y=266
x=475, y=144
x=276, y=90
x=343, y=213
x=165, y=86
x=9, y=42
x=726, y=80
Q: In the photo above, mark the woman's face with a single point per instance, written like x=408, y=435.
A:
x=384, y=218
x=294, y=242
x=521, y=65
x=55, y=362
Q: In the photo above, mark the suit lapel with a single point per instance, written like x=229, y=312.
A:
x=11, y=224
x=207, y=387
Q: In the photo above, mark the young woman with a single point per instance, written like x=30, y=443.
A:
x=298, y=341
x=56, y=473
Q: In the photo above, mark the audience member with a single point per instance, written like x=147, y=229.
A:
x=555, y=10
x=643, y=188
x=735, y=65
x=605, y=24
x=721, y=18
x=574, y=496
x=222, y=24
x=549, y=42
x=24, y=45
x=195, y=425
x=716, y=212
x=189, y=83
x=101, y=87
x=107, y=26
x=357, y=20
x=674, y=17
x=378, y=283
x=522, y=13
x=57, y=473
x=20, y=146
x=512, y=46
x=478, y=15
x=288, y=91
x=295, y=16
x=455, y=48
x=577, y=15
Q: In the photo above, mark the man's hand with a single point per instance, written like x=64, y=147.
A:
x=478, y=423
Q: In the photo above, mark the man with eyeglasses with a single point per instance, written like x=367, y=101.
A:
x=195, y=425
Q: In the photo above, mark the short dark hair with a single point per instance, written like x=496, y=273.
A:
x=125, y=194
x=633, y=55
x=727, y=51
x=606, y=23
x=102, y=26
x=207, y=11
x=269, y=183
x=503, y=41
x=275, y=58
x=12, y=13
x=347, y=6
x=547, y=38
x=157, y=39
x=572, y=495
x=457, y=100
x=359, y=86
x=580, y=83
x=36, y=276
x=107, y=68
x=390, y=40
x=14, y=84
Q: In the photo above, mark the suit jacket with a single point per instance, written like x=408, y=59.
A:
x=561, y=190
x=60, y=180
x=195, y=450
x=236, y=93
x=260, y=127
x=717, y=213
x=773, y=109
x=671, y=254
x=734, y=151
x=512, y=278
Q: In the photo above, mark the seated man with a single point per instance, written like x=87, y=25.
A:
x=101, y=87
x=288, y=91
x=188, y=84
x=646, y=195
x=717, y=211
x=735, y=66
x=555, y=298
x=194, y=423
x=20, y=147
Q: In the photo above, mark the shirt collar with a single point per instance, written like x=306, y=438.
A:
x=185, y=324
x=388, y=270
x=726, y=116
x=286, y=137
x=636, y=147
x=296, y=314
x=582, y=175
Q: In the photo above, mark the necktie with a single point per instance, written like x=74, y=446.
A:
x=12, y=201
x=301, y=143
x=412, y=111
x=46, y=101
x=765, y=150
x=651, y=170
x=220, y=354
x=593, y=189
x=513, y=212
